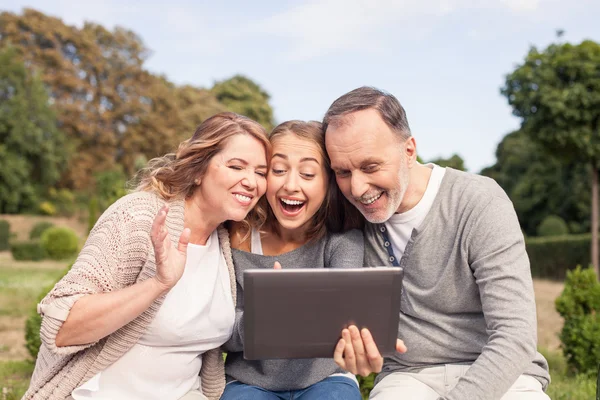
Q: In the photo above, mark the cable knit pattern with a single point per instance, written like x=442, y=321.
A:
x=117, y=253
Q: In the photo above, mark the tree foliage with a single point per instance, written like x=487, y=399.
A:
x=540, y=185
x=556, y=93
x=112, y=110
x=33, y=151
x=455, y=161
x=241, y=95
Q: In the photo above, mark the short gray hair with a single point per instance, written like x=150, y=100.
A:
x=366, y=97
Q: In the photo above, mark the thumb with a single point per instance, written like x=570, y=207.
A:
x=277, y=265
x=400, y=346
x=184, y=239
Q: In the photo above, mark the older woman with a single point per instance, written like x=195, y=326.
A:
x=151, y=297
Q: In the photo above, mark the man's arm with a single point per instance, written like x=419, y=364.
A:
x=501, y=269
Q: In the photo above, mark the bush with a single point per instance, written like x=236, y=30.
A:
x=4, y=234
x=27, y=251
x=60, y=243
x=34, y=322
x=579, y=305
x=47, y=208
x=551, y=257
x=38, y=229
x=552, y=225
x=366, y=384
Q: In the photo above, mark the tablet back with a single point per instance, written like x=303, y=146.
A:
x=300, y=313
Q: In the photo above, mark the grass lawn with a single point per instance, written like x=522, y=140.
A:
x=21, y=283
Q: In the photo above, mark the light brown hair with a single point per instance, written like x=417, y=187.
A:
x=174, y=175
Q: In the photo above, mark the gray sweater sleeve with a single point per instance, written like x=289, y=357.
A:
x=345, y=250
x=497, y=256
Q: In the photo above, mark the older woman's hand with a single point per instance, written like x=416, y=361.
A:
x=170, y=261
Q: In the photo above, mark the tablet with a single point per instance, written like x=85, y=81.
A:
x=300, y=313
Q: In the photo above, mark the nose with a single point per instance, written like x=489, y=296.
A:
x=249, y=181
x=358, y=185
x=291, y=183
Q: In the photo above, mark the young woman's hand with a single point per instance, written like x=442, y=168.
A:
x=170, y=261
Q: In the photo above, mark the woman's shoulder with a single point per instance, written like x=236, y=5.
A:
x=136, y=206
x=352, y=235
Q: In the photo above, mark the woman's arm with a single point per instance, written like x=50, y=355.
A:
x=96, y=316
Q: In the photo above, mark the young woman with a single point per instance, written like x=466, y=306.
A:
x=150, y=299
x=303, y=212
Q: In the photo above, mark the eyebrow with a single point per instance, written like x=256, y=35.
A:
x=303, y=159
x=241, y=160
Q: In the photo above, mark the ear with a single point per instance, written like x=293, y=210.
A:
x=410, y=151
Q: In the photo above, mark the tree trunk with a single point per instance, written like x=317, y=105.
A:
x=595, y=218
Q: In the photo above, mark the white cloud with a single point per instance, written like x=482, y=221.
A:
x=320, y=27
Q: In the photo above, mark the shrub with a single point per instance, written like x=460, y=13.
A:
x=60, y=243
x=27, y=251
x=4, y=234
x=47, y=208
x=552, y=225
x=579, y=305
x=366, y=384
x=34, y=322
x=552, y=256
x=39, y=228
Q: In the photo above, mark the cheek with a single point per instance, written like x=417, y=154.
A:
x=343, y=185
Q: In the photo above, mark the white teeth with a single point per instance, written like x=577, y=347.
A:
x=242, y=198
x=292, y=202
x=370, y=200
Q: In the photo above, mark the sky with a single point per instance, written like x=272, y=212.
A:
x=445, y=60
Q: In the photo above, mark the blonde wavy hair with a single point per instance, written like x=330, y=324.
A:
x=174, y=175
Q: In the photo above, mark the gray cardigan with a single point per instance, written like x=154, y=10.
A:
x=332, y=251
x=468, y=294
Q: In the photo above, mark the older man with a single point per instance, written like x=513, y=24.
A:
x=468, y=313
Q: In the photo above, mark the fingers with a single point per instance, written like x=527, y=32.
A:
x=159, y=222
x=277, y=265
x=184, y=239
x=400, y=346
x=374, y=358
x=338, y=354
x=362, y=363
x=349, y=356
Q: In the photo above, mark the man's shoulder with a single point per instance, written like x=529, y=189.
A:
x=467, y=186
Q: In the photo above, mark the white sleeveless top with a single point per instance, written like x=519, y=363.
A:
x=196, y=316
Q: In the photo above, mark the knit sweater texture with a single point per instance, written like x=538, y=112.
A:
x=117, y=254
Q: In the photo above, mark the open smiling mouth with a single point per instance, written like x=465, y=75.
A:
x=291, y=206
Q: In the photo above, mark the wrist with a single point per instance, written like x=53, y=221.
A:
x=158, y=287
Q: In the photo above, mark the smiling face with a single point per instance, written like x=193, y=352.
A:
x=371, y=164
x=297, y=182
x=234, y=180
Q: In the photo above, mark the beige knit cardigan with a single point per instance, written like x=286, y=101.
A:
x=117, y=253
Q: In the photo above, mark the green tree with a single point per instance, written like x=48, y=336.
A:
x=33, y=150
x=243, y=96
x=195, y=105
x=540, y=185
x=455, y=161
x=556, y=93
x=111, y=108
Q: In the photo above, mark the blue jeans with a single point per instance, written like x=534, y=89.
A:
x=331, y=388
